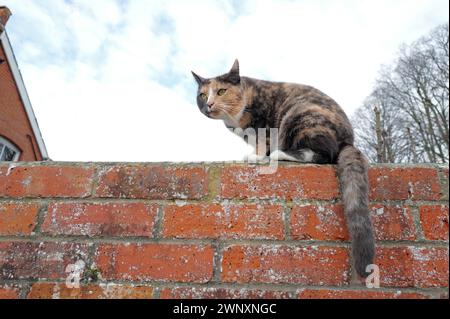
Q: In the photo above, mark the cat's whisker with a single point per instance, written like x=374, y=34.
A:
x=231, y=117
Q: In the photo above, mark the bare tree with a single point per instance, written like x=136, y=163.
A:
x=406, y=117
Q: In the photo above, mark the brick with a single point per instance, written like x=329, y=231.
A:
x=153, y=182
x=164, y=262
x=404, y=183
x=327, y=222
x=412, y=266
x=9, y=292
x=357, y=294
x=100, y=219
x=18, y=219
x=392, y=222
x=43, y=290
x=395, y=266
x=318, y=222
x=444, y=183
x=45, y=181
x=45, y=260
x=224, y=221
x=443, y=295
x=288, y=182
x=312, y=265
x=430, y=266
x=221, y=293
x=434, y=221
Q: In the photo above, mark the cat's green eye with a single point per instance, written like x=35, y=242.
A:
x=203, y=96
x=221, y=92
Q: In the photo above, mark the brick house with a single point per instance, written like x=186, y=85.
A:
x=20, y=137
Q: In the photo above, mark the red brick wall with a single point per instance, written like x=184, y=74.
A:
x=14, y=123
x=215, y=230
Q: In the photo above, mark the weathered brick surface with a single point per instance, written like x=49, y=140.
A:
x=224, y=221
x=44, y=290
x=430, y=266
x=165, y=230
x=393, y=222
x=9, y=292
x=153, y=182
x=164, y=262
x=45, y=181
x=18, y=219
x=404, y=183
x=45, y=260
x=311, y=265
x=288, y=182
x=221, y=293
x=318, y=222
x=357, y=294
x=100, y=219
x=445, y=184
x=327, y=222
x=413, y=266
x=434, y=221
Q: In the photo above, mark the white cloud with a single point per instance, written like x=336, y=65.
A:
x=98, y=71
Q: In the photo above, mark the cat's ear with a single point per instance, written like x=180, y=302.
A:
x=233, y=75
x=235, y=67
x=198, y=78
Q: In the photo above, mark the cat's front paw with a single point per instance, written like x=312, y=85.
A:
x=255, y=158
x=281, y=156
x=275, y=155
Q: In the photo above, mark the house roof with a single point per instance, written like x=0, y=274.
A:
x=6, y=44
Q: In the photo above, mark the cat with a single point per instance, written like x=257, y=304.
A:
x=312, y=129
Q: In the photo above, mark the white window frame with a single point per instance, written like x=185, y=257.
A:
x=8, y=144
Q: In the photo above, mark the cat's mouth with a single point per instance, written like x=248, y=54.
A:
x=214, y=114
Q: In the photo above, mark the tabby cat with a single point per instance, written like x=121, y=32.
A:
x=312, y=129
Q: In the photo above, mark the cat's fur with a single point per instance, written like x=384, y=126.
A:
x=312, y=129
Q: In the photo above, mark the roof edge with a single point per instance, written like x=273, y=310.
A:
x=4, y=41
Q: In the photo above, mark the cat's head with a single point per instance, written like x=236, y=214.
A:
x=221, y=97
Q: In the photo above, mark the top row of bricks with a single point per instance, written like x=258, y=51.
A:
x=153, y=181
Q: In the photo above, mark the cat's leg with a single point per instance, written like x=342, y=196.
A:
x=256, y=157
x=304, y=155
x=282, y=156
x=260, y=148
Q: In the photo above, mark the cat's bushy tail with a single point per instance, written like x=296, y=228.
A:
x=354, y=184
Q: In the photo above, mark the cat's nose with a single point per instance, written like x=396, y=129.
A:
x=210, y=104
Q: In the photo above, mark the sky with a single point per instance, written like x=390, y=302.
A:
x=110, y=80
